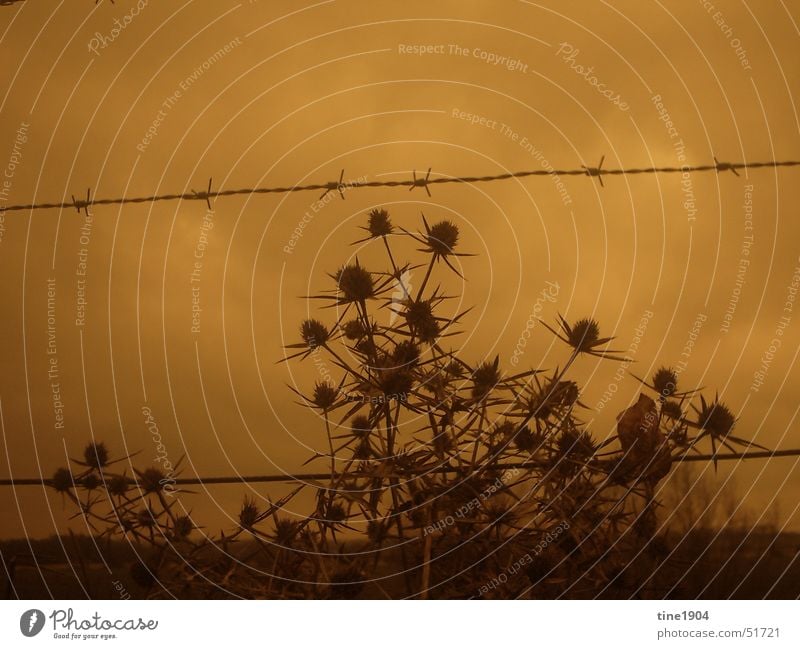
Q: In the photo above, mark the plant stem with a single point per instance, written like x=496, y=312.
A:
x=425, y=281
x=391, y=258
x=333, y=454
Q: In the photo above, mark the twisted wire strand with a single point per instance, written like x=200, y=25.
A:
x=310, y=477
x=423, y=182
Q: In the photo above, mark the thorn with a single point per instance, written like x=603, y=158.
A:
x=421, y=182
x=596, y=171
x=724, y=166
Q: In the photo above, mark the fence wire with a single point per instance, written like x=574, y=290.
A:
x=311, y=477
x=416, y=181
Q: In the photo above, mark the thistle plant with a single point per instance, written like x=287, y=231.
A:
x=443, y=472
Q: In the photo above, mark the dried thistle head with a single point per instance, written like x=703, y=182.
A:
x=672, y=409
x=285, y=531
x=95, y=455
x=542, y=401
x=146, y=518
x=395, y=383
x=584, y=334
x=565, y=393
x=665, y=382
x=354, y=329
x=248, y=514
x=379, y=224
x=361, y=427
x=485, y=378
x=62, y=480
x=406, y=353
x=314, y=333
x=335, y=513
x=421, y=320
x=527, y=441
x=440, y=241
x=183, y=527
x=500, y=436
x=504, y=430
x=584, y=337
x=355, y=283
x=365, y=347
x=442, y=238
x=152, y=480
x=117, y=485
x=324, y=395
x=539, y=405
x=576, y=444
x=438, y=384
x=715, y=418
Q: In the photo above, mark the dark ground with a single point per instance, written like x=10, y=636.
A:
x=703, y=565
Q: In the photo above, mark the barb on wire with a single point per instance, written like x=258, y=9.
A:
x=596, y=172
x=421, y=182
x=335, y=186
x=400, y=473
x=416, y=181
x=83, y=205
x=205, y=195
x=725, y=166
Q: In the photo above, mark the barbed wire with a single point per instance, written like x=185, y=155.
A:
x=400, y=473
x=425, y=182
x=8, y=3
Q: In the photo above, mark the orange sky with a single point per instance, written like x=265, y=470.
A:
x=273, y=93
